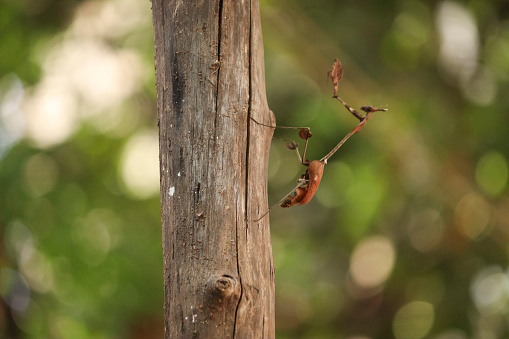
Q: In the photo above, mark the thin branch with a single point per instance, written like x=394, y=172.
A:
x=349, y=108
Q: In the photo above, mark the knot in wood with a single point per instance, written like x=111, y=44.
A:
x=225, y=285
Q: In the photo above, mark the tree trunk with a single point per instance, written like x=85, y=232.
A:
x=218, y=266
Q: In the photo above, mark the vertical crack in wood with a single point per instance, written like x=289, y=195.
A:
x=246, y=212
x=219, y=30
x=219, y=35
x=249, y=108
x=238, y=273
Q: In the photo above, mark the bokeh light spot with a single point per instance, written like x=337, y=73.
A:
x=426, y=230
x=372, y=261
x=41, y=174
x=37, y=268
x=491, y=173
x=334, y=195
x=67, y=327
x=481, y=88
x=472, y=215
x=414, y=320
x=96, y=235
x=452, y=334
x=12, y=123
x=50, y=114
x=14, y=290
x=429, y=287
x=490, y=290
x=139, y=167
x=411, y=30
x=459, y=41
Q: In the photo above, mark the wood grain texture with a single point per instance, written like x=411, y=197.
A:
x=218, y=267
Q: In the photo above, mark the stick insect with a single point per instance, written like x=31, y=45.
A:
x=308, y=182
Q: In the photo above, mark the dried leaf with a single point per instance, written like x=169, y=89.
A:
x=294, y=198
x=305, y=134
x=336, y=73
x=315, y=172
x=309, y=184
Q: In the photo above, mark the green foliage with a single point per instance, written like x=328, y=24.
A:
x=429, y=175
x=406, y=236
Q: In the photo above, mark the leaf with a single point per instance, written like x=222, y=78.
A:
x=336, y=73
x=308, y=185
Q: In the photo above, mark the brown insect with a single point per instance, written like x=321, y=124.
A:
x=308, y=182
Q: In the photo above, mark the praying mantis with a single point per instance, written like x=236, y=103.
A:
x=308, y=182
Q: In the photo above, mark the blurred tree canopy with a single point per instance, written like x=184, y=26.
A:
x=406, y=238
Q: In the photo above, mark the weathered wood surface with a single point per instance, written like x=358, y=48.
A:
x=218, y=267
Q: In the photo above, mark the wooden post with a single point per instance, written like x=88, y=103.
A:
x=218, y=266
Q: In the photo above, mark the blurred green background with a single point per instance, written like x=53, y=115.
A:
x=406, y=238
